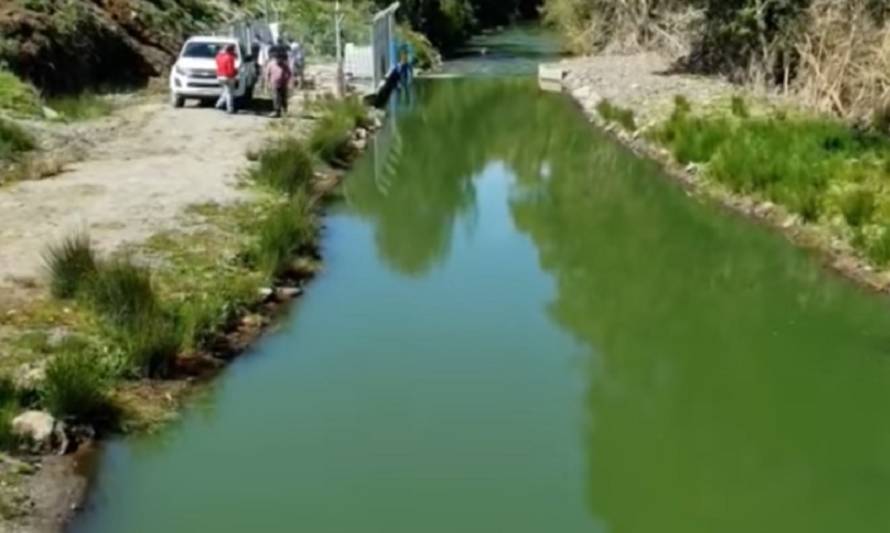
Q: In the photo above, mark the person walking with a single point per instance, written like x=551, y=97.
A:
x=278, y=76
x=227, y=74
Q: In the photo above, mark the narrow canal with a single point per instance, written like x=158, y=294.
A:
x=524, y=328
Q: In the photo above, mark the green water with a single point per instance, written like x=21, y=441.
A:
x=524, y=328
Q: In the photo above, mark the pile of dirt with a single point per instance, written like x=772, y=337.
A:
x=71, y=45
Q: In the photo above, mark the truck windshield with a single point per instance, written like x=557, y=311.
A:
x=202, y=50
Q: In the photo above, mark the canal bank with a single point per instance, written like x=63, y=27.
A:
x=648, y=86
x=522, y=326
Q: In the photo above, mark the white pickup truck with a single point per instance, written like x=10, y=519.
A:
x=193, y=76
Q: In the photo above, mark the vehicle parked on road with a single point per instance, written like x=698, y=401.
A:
x=193, y=76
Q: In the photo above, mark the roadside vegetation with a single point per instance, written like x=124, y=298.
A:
x=82, y=106
x=619, y=115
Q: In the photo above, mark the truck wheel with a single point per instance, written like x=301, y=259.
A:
x=177, y=100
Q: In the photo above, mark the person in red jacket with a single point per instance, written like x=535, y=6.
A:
x=227, y=74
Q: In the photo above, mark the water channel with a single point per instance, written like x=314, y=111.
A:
x=522, y=327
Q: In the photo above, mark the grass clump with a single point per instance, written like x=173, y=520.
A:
x=331, y=139
x=76, y=384
x=8, y=409
x=286, y=166
x=739, y=107
x=16, y=96
x=70, y=263
x=288, y=228
x=612, y=113
x=691, y=139
x=878, y=249
x=152, y=343
x=83, y=106
x=14, y=140
x=858, y=206
x=122, y=292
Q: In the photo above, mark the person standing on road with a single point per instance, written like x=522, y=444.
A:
x=297, y=63
x=278, y=76
x=227, y=74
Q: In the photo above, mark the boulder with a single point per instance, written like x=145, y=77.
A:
x=37, y=427
x=288, y=293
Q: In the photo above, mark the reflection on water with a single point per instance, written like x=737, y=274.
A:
x=525, y=328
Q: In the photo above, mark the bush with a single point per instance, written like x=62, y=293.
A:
x=857, y=206
x=17, y=96
x=288, y=228
x=332, y=139
x=76, y=386
x=122, y=292
x=71, y=264
x=613, y=113
x=286, y=166
x=14, y=140
x=84, y=106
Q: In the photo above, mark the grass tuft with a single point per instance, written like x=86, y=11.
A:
x=71, y=264
x=152, y=343
x=84, y=106
x=288, y=228
x=331, y=139
x=858, y=206
x=14, y=140
x=285, y=166
x=122, y=292
x=76, y=386
x=739, y=107
x=17, y=96
x=612, y=113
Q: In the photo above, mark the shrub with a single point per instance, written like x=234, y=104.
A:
x=857, y=206
x=14, y=140
x=285, y=166
x=76, y=386
x=7, y=439
x=739, y=107
x=613, y=113
x=16, y=96
x=288, y=228
x=122, y=292
x=84, y=106
x=71, y=264
x=331, y=139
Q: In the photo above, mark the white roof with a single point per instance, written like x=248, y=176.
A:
x=212, y=39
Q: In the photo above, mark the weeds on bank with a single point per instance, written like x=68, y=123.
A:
x=331, y=138
x=818, y=168
x=8, y=408
x=84, y=106
x=285, y=166
x=287, y=228
x=612, y=113
x=71, y=263
x=76, y=385
x=14, y=140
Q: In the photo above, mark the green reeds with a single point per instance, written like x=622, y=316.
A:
x=286, y=166
x=70, y=264
x=288, y=228
x=76, y=386
x=612, y=113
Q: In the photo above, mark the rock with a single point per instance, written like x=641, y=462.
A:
x=359, y=144
x=288, y=293
x=265, y=293
x=691, y=168
x=50, y=114
x=252, y=321
x=790, y=221
x=361, y=133
x=29, y=376
x=37, y=427
x=764, y=209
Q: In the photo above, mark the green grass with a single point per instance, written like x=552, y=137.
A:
x=858, y=205
x=83, y=106
x=76, y=386
x=621, y=116
x=152, y=343
x=739, y=107
x=14, y=140
x=285, y=166
x=16, y=96
x=287, y=228
x=331, y=140
x=8, y=409
x=122, y=292
x=70, y=263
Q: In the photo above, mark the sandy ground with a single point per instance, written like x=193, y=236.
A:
x=129, y=187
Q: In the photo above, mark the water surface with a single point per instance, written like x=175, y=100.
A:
x=522, y=327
